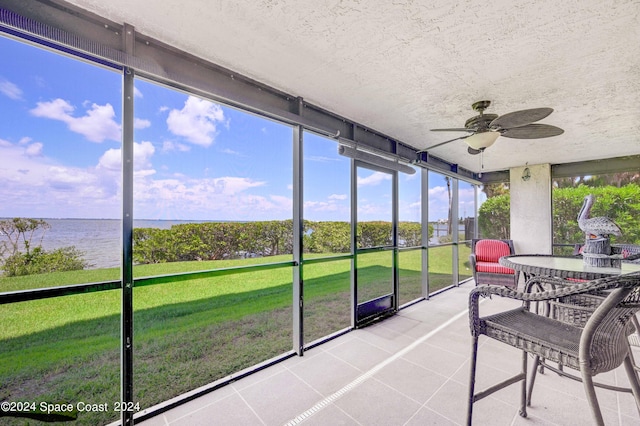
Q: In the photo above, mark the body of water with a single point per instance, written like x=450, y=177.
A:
x=98, y=239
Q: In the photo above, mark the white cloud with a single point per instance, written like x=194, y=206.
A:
x=371, y=210
x=438, y=203
x=34, y=149
x=168, y=146
x=111, y=159
x=232, y=185
x=140, y=123
x=333, y=208
x=142, y=153
x=222, y=198
x=282, y=202
x=438, y=192
x=196, y=121
x=319, y=206
x=97, y=125
x=10, y=90
x=37, y=186
x=373, y=179
x=466, y=200
x=137, y=93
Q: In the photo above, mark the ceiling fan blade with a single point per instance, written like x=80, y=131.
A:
x=532, y=131
x=473, y=151
x=458, y=129
x=443, y=143
x=520, y=118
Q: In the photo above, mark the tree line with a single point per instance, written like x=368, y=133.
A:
x=227, y=240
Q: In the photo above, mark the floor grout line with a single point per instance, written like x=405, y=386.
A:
x=365, y=376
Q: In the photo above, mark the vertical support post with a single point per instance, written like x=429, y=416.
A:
x=126, y=370
x=394, y=240
x=455, y=230
x=424, y=212
x=298, y=232
x=354, y=243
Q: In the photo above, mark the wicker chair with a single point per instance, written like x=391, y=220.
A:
x=600, y=346
x=575, y=309
x=484, y=262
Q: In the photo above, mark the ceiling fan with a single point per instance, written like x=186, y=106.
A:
x=484, y=129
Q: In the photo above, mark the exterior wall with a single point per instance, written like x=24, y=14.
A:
x=531, y=219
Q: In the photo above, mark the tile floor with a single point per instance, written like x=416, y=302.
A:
x=411, y=369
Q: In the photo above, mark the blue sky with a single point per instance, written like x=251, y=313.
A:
x=193, y=159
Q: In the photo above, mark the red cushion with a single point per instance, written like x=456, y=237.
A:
x=491, y=250
x=493, y=267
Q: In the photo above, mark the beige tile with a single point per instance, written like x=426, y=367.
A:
x=411, y=380
x=330, y=415
x=373, y=403
x=325, y=373
x=279, y=398
x=360, y=353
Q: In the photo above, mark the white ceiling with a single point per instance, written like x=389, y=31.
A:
x=404, y=67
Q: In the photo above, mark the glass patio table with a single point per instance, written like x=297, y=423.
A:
x=562, y=267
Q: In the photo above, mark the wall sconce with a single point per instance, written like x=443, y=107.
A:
x=526, y=174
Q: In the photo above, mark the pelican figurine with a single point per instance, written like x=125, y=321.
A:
x=595, y=227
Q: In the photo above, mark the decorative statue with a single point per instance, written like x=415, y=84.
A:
x=597, y=250
x=595, y=227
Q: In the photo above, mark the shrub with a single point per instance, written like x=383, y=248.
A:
x=494, y=217
x=39, y=261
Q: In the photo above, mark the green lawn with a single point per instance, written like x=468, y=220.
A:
x=187, y=333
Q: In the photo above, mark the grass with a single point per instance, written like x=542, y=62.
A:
x=187, y=333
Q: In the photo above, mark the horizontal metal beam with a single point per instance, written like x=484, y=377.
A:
x=495, y=177
x=597, y=167
x=67, y=290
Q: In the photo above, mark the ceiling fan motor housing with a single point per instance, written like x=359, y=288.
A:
x=480, y=122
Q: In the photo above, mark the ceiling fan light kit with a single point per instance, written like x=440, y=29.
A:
x=482, y=140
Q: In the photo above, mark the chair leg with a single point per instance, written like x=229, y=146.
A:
x=590, y=391
x=636, y=326
x=633, y=379
x=532, y=380
x=472, y=379
x=523, y=392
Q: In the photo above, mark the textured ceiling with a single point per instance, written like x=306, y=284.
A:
x=404, y=67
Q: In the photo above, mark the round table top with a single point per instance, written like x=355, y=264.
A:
x=562, y=266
